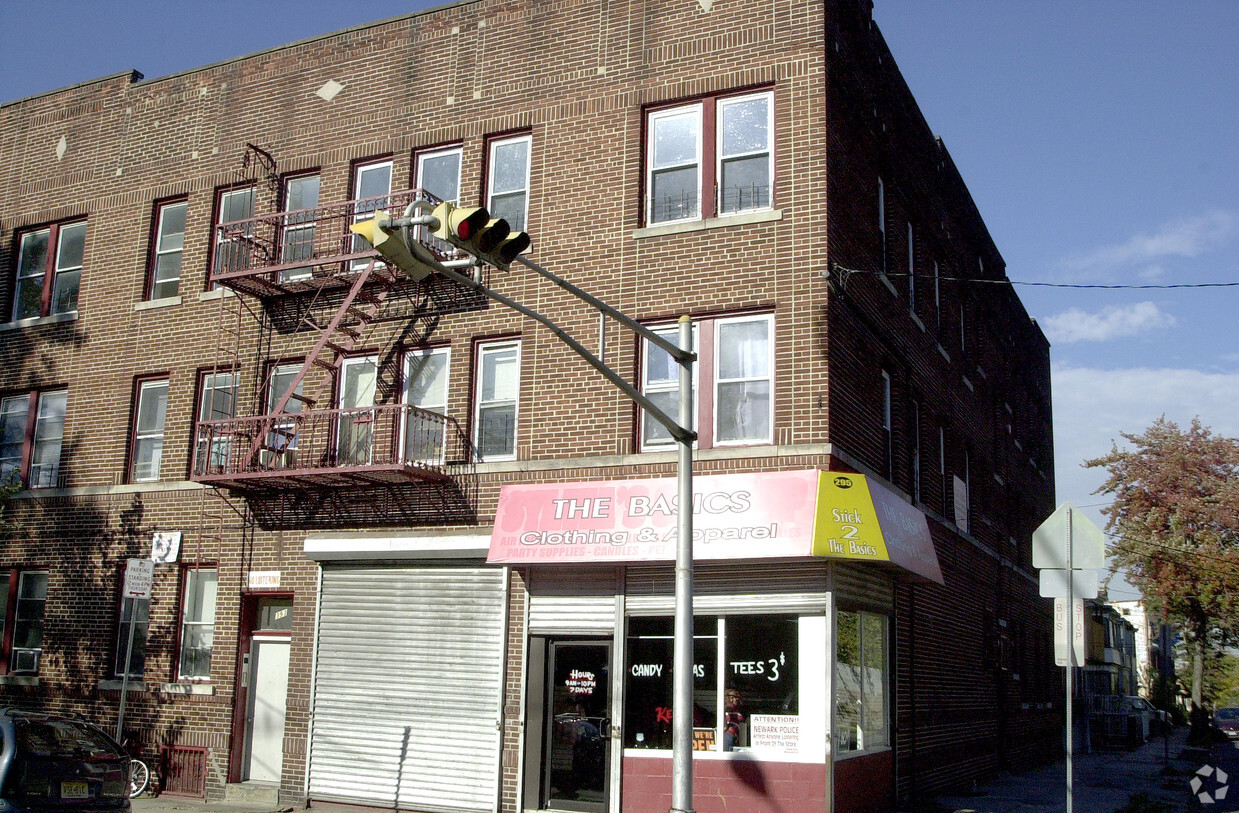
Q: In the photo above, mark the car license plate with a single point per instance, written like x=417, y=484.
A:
x=75, y=789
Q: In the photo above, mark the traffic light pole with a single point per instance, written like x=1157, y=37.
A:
x=681, y=430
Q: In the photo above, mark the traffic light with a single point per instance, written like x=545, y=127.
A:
x=390, y=242
x=475, y=232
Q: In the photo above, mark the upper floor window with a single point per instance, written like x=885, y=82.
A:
x=425, y=387
x=167, y=246
x=232, y=249
x=498, y=392
x=49, y=270
x=911, y=269
x=735, y=378
x=148, y=423
x=297, y=238
x=438, y=172
x=507, y=180
x=710, y=158
x=280, y=450
x=371, y=188
x=24, y=600
x=359, y=381
x=888, y=440
x=217, y=400
x=30, y=450
x=197, y=623
x=882, y=220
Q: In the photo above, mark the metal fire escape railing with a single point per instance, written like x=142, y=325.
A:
x=295, y=444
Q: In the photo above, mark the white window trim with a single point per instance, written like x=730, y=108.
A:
x=490, y=174
x=423, y=157
x=140, y=435
x=161, y=252
x=482, y=351
x=769, y=150
x=366, y=213
x=404, y=398
x=768, y=318
x=669, y=332
x=294, y=227
x=653, y=117
x=185, y=623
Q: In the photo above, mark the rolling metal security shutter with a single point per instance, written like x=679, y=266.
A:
x=572, y=600
x=407, y=691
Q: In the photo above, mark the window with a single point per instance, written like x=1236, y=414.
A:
x=861, y=678
x=47, y=280
x=358, y=377
x=31, y=454
x=197, y=623
x=735, y=370
x=371, y=188
x=297, y=241
x=134, y=621
x=882, y=220
x=498, y=391
x=507, y=193
x=281, y=447
x=916, y=452
x=25, y=600
x=152, y=406
x=937, y=302
x=745, y=669
x=438, y=172
x=888, y=441
x=425, y=387
x=167, y=246
x=217, y=400
x=722, y=145
x=232, y=245
x=911, y=269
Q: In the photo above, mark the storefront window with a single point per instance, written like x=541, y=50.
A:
x=861, y=675
x=746, y=680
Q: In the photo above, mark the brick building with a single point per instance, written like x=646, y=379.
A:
x=348, y=477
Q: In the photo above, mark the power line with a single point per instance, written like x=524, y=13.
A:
x=847, y=272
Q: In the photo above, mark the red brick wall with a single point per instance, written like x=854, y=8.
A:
x=725, y=785
x=458, y=75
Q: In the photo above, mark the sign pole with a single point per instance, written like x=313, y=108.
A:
x=138, y=585
x=682, y=678
x=124, y=681
x=1071, y=652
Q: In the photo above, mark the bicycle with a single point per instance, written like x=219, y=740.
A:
x=139, y=777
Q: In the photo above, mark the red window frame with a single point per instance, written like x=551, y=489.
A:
x=49, y=267
x=9, y=622
x=709, y=204
x=34, y=399
x=152, y=258
x=134, y=415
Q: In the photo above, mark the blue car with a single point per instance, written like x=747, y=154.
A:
x=59, y=764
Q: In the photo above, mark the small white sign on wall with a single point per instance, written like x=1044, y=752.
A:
x=259, y=579
x=165, y=546
x=775, y=732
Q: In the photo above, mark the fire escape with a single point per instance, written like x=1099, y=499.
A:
x=299, y=453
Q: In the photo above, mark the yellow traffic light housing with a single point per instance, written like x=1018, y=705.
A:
x=389, y=241
x=474, y=231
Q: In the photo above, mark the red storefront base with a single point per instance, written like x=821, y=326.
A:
x=865, y=784
x=725, y=786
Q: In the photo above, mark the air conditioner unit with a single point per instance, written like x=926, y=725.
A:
x=25, y=661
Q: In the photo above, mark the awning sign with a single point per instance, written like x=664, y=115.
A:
x=861, y=519
x=735, y=516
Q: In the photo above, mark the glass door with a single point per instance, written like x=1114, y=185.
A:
x=578, y=735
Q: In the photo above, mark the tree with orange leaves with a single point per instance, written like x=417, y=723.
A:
x=1174, y=527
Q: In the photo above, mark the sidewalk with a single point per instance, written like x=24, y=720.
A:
x=1102, y=782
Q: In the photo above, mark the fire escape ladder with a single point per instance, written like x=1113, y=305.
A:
x=361, y=304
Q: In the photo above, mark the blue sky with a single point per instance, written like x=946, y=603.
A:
x=1099, y=139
